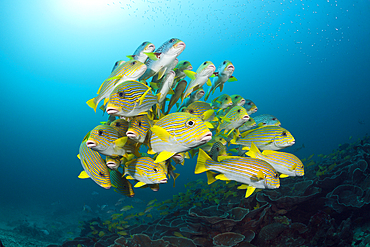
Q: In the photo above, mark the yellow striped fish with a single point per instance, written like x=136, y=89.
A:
x=180, y=87
x=265, y=138
x=235, y=118
x=94, y=166
x=250, y=106
x=248, y=125
x=266, y=120
x=140, y=52
x=162, y=58
x=146, y=171
x=121, y=184
x=113, y=162
x=178, y=132
x=130, y=70
x=121, y=125
x=130, y=98
x=252, y=172
x=222, y=102
x=285, y=163
x=105, y=140
x=199, y=78
x=237, y=100
x=218, y=149
x=203, y=110
x=179, y=70
x=194, y=96
x=139, y=128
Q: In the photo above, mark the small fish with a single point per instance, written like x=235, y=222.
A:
x=140, y=52
x=129, y=99
x=250, y=124
x=237, y=100
x=139, y=128
x=121, y=184
x=151, y=202
x=235, y=118
x=224, y=73
x=199, y=78
x=177, y=132
x=218, y=149
x=179, y=70
x=146, y=171
x=130, y=70
x=203, y=110
x=121, y=125
x=123, y=233
x=181, y=85
x=266, y=120
x=194, y=96
x=113, y=162
x=126, y=208
x=222, y=102
x=101, y=234
x=177, y=234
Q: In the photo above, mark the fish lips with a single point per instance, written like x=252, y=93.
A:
x=206, y=138
x=163, y=181
x=91, y=144
x=131, y=135
x=112, y=165
x=245, y=117
x=112, y=111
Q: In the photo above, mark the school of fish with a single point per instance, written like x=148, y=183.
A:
x=142, y=141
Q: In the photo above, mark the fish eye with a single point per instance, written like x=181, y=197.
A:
x=172, y=40
x=236, y=97
x=155, y=170
x=276, y=175
x=217, y=149
x=204, y=63
x=250, y=120
x=284, y=133
x=100, y=132
x=101, y=174
x=118, y=125
x=190, y=123
x=274, y=118
x=133, y=63
x=139, y=123
x=224, y=62
x=191, y=111
x=185, y=62
x=143, y=43
x=249, y=103
x=121, y=95
x=239, y=110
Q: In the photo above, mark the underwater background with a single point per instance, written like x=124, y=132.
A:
x=305, y=62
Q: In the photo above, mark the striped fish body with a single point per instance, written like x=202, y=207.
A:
x=237, y=116
x=248, y=125
x=198, y=108
x=201, y=76
x=284, y=163
x=145, y=170
x=250, y=106
x=237, y=100
x=165, y=86
x=130, y=70
x=266, y=138
x=121, y=125
x=222, y=102
x=240, y=169
x=180, y=87
x=168, y=53
x=266, y=120
x=179, y=132
x=121, y=184
x=131, y=98
x=139, y=54
x=102, y=139
x=113, y=162
x=194, y=96
x=225, y=71
x=139, y=128
x=218, y=149
x=94, y=166
x=179, y=70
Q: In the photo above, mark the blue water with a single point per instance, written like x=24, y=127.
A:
x=306, y=63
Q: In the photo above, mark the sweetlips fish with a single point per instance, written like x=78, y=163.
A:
x=224, y=73
x=130, y=70
x=121, y=184
x=121, y=125
x=265, y=138
x=105, y=140
x=113, y=162
x=266, y=120
x=170, y=67
x=235, y=118
x=162, y=58
x=285, y=163
x=139, y=128
x=218, y=149
x=237, y=100
x=165, y=87
x=222, y=102
x=194, y=96
x=254, y=173
x=140, y=52
x=199, y=78
x=118, y=63
x=131, y=98
x=179, y=70
x=178, y=132
x=250, y=106
x=203, y=110
x=180, y=87
x=94, y=166
x=145, y=171
x=248, y=125
x=208, y=146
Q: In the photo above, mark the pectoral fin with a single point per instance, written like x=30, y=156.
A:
x=139, y=184
x=161, y=133
x=191, y=74
x=120, y=142
x=83, y=175
x=164, y=155
x=209, y=83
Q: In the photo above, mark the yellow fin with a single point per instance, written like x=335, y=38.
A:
x=207, y=114
x=242, y=187
x=120, y=142
x=152, y=55
x=249, y=191
x=139, y=184
x=106, y=100
x=209, y=83
x=114, y=78
x=283, y=176
x=161, y=133
x=253, y=151
x=129, y=177
x=78, y=156
x=164, y=155
x=245, y=133
x=92, y=104
x=203, y=157
x=260, y=175
x=210, y=177
x=100, y=88
x=154, y=85
x=246, y=148
x=191, y=74
x=231, y=79
x=143, y=96
x=83, y=175
x=209, y=125
x=150, y=151
x=269, y=152
x=161, y=72
x=222, y=177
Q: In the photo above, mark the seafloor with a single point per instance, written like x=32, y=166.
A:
x=329, y=206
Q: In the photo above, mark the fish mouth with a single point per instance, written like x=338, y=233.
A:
x=180, y=44
x=163, y=181
x=246, y=117
x=255, y=109
x=206, y=138
x=151, y=47
x=131, y=134
x=242, y=102
x=111, y=164
x=111, y=110
x=201, y=92
x=231, y=67
x=190, y=67
x=91, y=144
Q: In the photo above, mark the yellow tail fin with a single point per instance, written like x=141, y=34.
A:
x=201, y=162
x=253, y=151
x=92, y=104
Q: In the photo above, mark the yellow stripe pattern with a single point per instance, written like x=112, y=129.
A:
x=104, y=135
